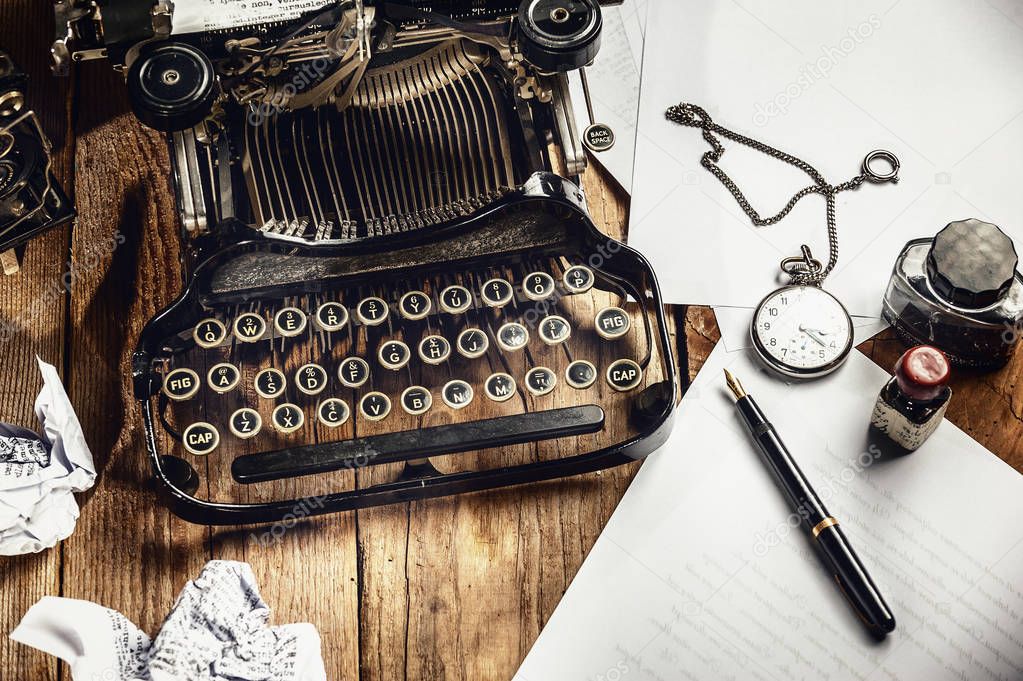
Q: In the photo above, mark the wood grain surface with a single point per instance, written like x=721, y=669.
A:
x=455, y=588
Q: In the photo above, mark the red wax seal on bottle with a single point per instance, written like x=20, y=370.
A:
x=922, y=372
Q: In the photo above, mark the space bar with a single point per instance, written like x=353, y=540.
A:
x=416, y=444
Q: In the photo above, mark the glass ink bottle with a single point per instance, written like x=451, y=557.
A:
x=912, y=404
x=960, y=292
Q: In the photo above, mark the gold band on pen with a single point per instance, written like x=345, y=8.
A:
x=823, y=525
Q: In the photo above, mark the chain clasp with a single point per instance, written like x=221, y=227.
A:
x=872, y=175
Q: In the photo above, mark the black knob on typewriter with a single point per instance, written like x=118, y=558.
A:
x=559, y=35
x=172, y=86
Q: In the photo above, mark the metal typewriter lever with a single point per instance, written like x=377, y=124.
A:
x=391, y=447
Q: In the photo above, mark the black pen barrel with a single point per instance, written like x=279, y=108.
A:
x=804, y=500
x=852, y=578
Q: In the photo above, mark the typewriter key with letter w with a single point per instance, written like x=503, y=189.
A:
x=389, y=293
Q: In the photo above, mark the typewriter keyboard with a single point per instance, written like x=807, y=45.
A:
x=534, y=350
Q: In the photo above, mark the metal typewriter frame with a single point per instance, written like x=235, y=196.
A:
x=545, y=191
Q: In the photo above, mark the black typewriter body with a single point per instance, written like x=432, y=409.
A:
x=390, y=294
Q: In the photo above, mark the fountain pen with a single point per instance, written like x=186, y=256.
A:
x=833, y=547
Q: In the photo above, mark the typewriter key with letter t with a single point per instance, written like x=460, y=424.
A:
x=372, y=311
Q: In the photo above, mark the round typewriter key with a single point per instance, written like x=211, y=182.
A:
x=246, y=423
x=270, y=383
x=333, y=412
x=353, y=372
x=372, y=311
x=287, y=418
x=579, y=279
x=375, y=406
x=223, y=378
x=200, y=438
x=500, y=387
x=541, y=380
x=472, y=343
x=538, y=286
x=209, y=333
x=581, y=374
x=415, y=305
x=497, y=293
x=612, y=323
x=512, y=336
x=290, y=322
x=331, y=316
x=457, y=394
x=434, y=349
x=554, y=330
x=416, y=400
x=249, y=327
x=624, y=374
x=455, y=299
x=394, y=354
x=181, y=384
x=311, y=379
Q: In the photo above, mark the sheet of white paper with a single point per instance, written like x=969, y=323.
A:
x=701, y=573
x=733, y=322
x=215, y=632
x=195, y=16
x=37, y=503
x=935, y=81
x=614, y=81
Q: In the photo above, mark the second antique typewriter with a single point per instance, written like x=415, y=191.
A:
x=388, y=271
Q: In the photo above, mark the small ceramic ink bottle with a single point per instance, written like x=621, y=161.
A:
x=912, y=404
x=959, y=292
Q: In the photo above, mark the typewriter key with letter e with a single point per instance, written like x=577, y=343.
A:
x=290, y=322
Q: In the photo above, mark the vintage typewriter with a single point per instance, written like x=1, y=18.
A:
x=390, y=292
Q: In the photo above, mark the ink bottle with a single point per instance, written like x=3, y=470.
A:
x=959, y=292
x=912, y=404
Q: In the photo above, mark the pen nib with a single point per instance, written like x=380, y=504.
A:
x=734, y=385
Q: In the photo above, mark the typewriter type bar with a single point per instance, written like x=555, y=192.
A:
x=432, y=373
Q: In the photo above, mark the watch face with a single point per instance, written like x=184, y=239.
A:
x=802, y=331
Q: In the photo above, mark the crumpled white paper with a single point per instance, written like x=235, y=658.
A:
x=37, y=503
x=216, y=632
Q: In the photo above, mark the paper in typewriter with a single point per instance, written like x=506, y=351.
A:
x=700, y=575
x=196, y=16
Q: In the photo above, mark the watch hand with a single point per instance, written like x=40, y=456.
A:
x=815, y=335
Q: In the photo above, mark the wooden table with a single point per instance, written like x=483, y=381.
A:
x=454, y=588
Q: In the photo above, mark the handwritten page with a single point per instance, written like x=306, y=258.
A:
x=702, y=572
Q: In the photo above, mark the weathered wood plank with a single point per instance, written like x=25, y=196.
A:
x=33, y=307
x=128, y=553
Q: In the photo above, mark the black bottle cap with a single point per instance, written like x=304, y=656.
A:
x=559, y=35
x=172, y=86
x=972, y=264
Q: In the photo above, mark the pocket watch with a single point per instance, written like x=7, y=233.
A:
x=802, y=331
